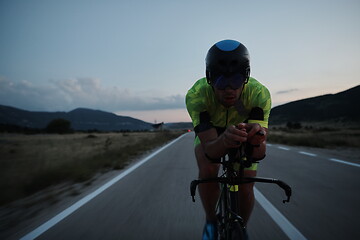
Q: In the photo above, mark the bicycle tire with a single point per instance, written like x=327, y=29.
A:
x=221, y=213
x=236, y=229
x=237, y=232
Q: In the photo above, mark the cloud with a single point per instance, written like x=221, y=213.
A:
x=68, y=94
x=287, y=91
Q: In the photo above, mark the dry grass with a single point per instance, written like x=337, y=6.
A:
x=321, y=138
x=30, y=163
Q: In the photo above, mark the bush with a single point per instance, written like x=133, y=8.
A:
x=60, y=126
x=295, y=125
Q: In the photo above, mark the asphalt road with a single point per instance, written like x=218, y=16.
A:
x=153, y=201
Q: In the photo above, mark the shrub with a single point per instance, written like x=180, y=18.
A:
x=59, y=125
x=295, y=125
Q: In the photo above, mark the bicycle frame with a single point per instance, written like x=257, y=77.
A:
x=229, y=181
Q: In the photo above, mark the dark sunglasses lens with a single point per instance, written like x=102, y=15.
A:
x=220, y=83
x=233, y=82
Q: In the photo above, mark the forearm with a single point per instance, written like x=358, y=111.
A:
x=216, y=146
x=215, y=149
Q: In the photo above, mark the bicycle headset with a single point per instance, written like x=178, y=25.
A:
x=227, y=65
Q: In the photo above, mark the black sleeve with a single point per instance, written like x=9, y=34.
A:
x=205, y=122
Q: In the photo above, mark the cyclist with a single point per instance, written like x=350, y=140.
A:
x=221, y=106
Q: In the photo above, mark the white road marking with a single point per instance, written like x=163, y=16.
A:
x=286, y=226
x=344, y=162
x=315, y=155
x=308, y=154
x=284, y=148
x=53, y=221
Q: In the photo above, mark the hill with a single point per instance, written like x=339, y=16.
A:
x=80, y=118
x=342, y=107
x=179, y=125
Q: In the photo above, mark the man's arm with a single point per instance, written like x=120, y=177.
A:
x=258, y=141
x=216, y=146
x=212, y=144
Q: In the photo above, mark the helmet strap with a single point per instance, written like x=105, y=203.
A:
x=208, y=77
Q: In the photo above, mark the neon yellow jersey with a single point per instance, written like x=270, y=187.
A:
x=201, y=98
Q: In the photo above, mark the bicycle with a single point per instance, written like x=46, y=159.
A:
x=230, y=224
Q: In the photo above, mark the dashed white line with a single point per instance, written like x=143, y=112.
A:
x=315, y=155
x=284, y=148
x=308, y=154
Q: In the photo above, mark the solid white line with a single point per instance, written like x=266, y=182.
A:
x=53, y=221
x=290, y=230
x=284, y=148
x=344, y=162
x=309, y=154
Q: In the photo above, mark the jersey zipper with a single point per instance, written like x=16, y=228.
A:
x=227, y=118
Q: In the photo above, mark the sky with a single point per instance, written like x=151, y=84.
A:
x=139, y=58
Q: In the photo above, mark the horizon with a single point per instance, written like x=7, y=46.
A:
x=148, y=116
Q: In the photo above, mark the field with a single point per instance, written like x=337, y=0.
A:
x=30, y=163
x=330, y=138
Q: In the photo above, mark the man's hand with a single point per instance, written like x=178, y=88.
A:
x=234, y=136
x=243, y=132
x=256, y=133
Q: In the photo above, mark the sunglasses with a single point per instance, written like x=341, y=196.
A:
x=234, y=82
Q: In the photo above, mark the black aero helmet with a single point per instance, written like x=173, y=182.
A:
x=227, y=58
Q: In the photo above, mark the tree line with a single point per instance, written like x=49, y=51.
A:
x=59, y=126
x=55, y=126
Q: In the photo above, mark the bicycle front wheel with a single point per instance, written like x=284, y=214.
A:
x=224, y=214
x=236, y=229
x=237, y=232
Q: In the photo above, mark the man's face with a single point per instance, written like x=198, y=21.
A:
x=228, y=96
x=228, y=88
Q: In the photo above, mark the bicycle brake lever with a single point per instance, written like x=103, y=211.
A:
x=193, y=189
x=287, y=200
x=287, y=190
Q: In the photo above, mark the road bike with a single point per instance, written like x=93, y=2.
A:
x=230, y=223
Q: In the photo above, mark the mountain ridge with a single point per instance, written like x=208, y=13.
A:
x=339, y=107
x=80, y=118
